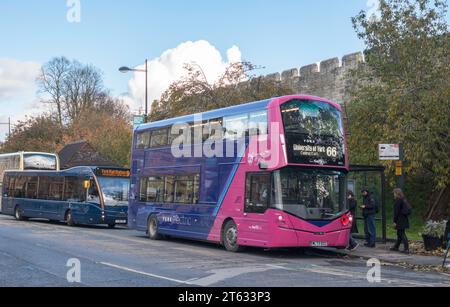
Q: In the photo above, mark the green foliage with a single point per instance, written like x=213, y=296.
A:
x=402, y=95
x=404, y=90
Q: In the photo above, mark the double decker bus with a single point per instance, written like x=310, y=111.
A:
x=27, y=161
x=77, y=196
x=266, y=174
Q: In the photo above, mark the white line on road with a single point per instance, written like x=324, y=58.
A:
x=145, y=274
x=354, y=275
x=215, y=277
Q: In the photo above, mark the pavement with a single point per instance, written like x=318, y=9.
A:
x=39, y=253
x=382, y=253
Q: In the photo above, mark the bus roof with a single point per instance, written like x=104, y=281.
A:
x=230, y=111
x=78, y=170
x=27, y=153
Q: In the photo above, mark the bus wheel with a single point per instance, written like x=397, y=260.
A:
x=18, y=214
x=112, y=226
x=152, y=228
x=230, y=237
x=69, y=219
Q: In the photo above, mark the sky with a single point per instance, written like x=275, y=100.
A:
x=277, y=35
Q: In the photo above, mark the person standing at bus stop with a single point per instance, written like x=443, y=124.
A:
x=369, y=208
x=402, y=211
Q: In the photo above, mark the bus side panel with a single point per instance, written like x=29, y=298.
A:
x=253, y=228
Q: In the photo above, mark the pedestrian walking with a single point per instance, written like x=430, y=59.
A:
x=370, y=210
x=353, y=205
x=402, y=211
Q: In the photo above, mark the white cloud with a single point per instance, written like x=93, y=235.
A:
x=17, y=77
x=169, y=67
x=17, y=91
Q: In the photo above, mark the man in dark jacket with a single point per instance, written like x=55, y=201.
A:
x=369, y=208
x=402, y=210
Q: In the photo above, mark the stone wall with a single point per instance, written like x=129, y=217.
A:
x=328, y=79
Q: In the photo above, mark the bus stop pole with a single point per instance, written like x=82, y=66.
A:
x=383, y=206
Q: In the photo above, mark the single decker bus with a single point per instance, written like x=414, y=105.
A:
x=27, y=161
x=76, y=196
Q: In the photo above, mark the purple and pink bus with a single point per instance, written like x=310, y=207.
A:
x=266, y=174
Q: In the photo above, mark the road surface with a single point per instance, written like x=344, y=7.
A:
x=36, y=253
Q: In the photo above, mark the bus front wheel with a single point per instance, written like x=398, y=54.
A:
x=69, y=219
x=153, y=228
x=18, y=214
x=230, y=237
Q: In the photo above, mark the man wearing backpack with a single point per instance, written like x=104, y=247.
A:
x=402, y=211
x=370, y=210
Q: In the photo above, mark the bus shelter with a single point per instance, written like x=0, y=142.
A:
x=373, y=178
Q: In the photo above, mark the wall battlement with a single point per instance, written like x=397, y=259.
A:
x=328, y=79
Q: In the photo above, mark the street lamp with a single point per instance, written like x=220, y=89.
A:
x=9, y=126
x=125, y=69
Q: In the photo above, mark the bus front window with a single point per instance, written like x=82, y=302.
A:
x=310, y=195
x=115, y=190
x=93, y=194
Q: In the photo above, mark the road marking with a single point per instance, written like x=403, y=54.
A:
x=215, y=277
x=353, y=275
x=228, y=273
x=145, y=273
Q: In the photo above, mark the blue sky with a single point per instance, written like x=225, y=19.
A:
x=276, y=34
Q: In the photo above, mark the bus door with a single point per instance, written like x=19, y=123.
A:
x=257, y=200
x=8, y=195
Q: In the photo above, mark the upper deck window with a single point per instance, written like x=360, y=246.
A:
x=223, y=128
x=314, y=133
x=159, y=138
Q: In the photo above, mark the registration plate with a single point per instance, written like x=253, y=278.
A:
x=319, y=244
x=121, y=222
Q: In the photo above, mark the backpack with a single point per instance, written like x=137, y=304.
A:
x=406, y=208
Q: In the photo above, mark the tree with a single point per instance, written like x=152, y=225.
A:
x=194, y=94
x=51, y=82
x=403, y=93
x=82, y=110
x=107, y=127
x=71, y=87
x=41, y=133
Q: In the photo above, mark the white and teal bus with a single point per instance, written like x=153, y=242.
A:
x=21, y=161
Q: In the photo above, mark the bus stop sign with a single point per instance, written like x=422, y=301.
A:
x=389, y=152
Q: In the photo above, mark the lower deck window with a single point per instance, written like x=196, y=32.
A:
x=170, y=189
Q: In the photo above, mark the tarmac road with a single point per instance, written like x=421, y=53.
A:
x=36, y=253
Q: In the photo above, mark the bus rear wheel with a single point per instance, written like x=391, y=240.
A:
x=69, y=219
x=230, y=237
x=18, y=214
x=152, y=228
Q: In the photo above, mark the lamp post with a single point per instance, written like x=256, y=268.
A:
x=125, y=69
x=9, y=126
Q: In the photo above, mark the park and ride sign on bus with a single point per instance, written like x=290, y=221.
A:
x=389, y=152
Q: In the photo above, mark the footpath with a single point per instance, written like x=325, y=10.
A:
x=382, y=252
